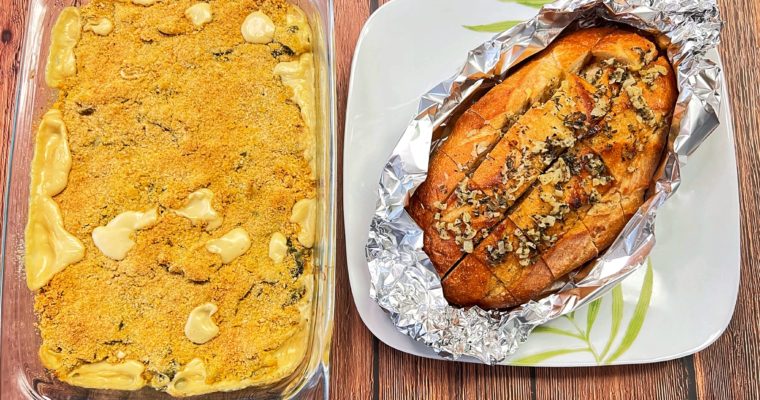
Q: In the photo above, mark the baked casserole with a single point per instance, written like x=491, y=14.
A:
x=173, y=196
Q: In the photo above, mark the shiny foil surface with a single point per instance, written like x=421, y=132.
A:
x=403, y=280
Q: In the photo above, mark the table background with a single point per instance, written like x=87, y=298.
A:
x=363, y=367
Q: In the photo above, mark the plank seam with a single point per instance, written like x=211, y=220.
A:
x=375, y=368
x=691, y=381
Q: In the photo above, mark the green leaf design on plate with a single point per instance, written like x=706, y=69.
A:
x=593, y=311
x=556, y=331
x=617, y=317
x=639, y=314
x=502, y=26
x=529, y=3
x=494, y=27
x=538, y=357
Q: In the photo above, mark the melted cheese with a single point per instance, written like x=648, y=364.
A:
x=257, y=28
x=49, y=247
x=299, y=77
x=230, y=246
x=200, y=328
x=198, y=209
x=104, y=375
x=115, y=239
x=278, y=247
x=61, y=62
x=191, y=380
x=199, y=14
x=50, y=359
x=102, y=26
x=296, y=17
x=305, y=215
x=52, y=159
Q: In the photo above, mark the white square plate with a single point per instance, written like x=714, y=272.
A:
x=677, y=306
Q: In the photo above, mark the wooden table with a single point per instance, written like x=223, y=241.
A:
x=363, y=367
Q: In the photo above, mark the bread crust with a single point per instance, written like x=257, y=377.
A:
x=472, y=283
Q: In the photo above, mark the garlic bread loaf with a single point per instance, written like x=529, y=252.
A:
x=542, y=172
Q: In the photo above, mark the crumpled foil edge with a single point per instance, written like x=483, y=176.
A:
x=403, y=280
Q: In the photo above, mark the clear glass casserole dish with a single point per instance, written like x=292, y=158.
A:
x=21, y=372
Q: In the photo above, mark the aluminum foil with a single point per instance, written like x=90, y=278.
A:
x=403, y=280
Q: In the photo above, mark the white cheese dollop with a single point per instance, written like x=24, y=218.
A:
x=278, y=247
x=198, y=209
x=257, y=28
x=114, y=240
x=305, y=215
x=101, y=26
x=200, y=328
x=230, y=246
x=199, y=14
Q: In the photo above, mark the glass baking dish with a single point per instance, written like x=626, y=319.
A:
x=21, y=371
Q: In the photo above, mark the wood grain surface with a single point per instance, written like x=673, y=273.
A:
x=363, y=367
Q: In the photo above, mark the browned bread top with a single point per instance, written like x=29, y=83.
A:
x=542, y=173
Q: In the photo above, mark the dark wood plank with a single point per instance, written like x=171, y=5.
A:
x=403, y=376
x=352, y=349
x=669, y=380
x=729, y=369
x=12, y=21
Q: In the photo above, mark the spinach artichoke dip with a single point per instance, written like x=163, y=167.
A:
x=173, y=197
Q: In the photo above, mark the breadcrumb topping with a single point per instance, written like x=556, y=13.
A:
x=159, y=108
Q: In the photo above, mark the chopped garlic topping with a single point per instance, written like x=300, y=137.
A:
x=278, y=247
x=230, y=246
x=144, y=2
x=305, y=215
x=257, y=28
x=61, y=62
x=105, y=375
x=102, y=26
x=199, y=14
x=198, y=209
x=114, y=240
x=200, y=328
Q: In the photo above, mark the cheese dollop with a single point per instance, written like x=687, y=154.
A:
x=198, y=209
x=199, y=14
x=305, y=215
x=200, y=328
x=278, y=247
x=115, y=239
x=102, y=26
x=257, y=28
x=230, y=246
x=49, y=248
x=61, y=62
x=104, y=375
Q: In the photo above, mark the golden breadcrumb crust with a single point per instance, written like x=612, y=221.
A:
x=158, y=109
